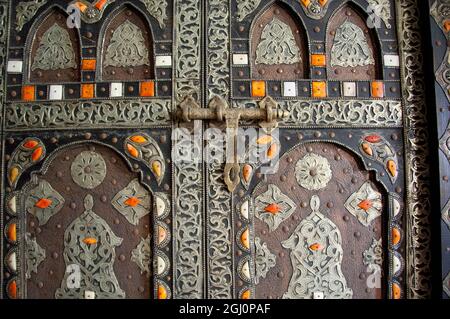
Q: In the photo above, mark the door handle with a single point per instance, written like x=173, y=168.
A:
x=268, y=114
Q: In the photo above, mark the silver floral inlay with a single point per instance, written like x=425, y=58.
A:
x=55, y=50
x=34, y=255
x=277, y=45
x=350, y=47
x=157, y=9
x=365, y=204
x=381, y=10
x=246, y=7
x=25, y=11
x=43, y=202
x=133, y=202
x=316, y=257
x=89, y=245
x=88, y=170
x=313, y=172
x=273, y=207
x=127, y=47
x=264, y=260
x=374, y=254
x=141, y=255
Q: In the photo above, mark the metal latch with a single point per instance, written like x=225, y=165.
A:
x=267, y=115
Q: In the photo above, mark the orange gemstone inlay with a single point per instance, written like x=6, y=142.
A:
x=148, y=89
x=37, y=153
x=272, y=151
x=377, y=89
x=138, y=139
x=318, y=60
x=306, y=2
x=43, y=203
x=81, y=6
x=367, y=149
x=87, y=91
x=396, y=236
x=12, y=232
x=12, y=289
x=132, y=150
x=365, y=205
x=162, y=234
x=162, y=292
x=273, y=209
x=132, y=201
x=88, y=64
x=30, y=144
x=247, y=172
x=90, y=241
x=258, y=88
x=323, y=2
x=13, y=174
x=392, y=168
x=245, y=239
x=246, y=294
x=396, y=291
x=447, y=25
x=156, y=167
x=373, y=138
x=319, y=89
x=28, y=93
x=315, y=247
x=263, y=140
x=100, y=4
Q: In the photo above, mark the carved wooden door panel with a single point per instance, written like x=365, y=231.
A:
x=103, y=100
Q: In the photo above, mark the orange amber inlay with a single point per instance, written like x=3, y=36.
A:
x=162, y=293
x=13, y=174
x=12, y=232
x=147, y=89
x=377, y=89
x=367, y=149
x=138, y=139
x=272, y=151
x=263, y=140
x=81, y=6
x=258, y=88
x=319, y=89
x=132, y=201
x=447, y=25
x=156, y=167
x=87, y=91
x=246, y=295
x=162, y=234
x=392, y=168
x=132, y=150
x=365, y=205
x=396, y=236
x=396, y=291
x=318, y=60
x=305, y=2
x=100, y=4
x=90, y=241
x=315, y=247
x=30, y=144
x=43, y=203
x=245, y=239
x=37, y=153
x=28, y=93
x=88, y=64
x=247, y=172
x=323, y=2
x=273, y=208
x=12, y=289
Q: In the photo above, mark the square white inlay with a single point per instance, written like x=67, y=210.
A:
x=289, y=89
x=55, y=92
x=14, y=67
x=391, y=60
x=89, y=294
x=240, y=59
x=163, y=61
x=349, y=88
x=116, y=90
x=318, y=295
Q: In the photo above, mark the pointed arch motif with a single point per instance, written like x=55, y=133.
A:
x=353, y=50
x=126, y=46
x=279, y=48
x=55, y=49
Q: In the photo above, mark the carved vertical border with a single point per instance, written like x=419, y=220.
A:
x=418, y=204
x=4, y=26
x=188, y=242
x=219, y=200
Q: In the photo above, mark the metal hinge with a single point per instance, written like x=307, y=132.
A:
x=268, y=114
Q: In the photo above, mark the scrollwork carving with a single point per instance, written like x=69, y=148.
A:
x=157, y=9
x=25, y=11
x=264, y=259
x=141, y=256
x=246, y=7
x=34, y=255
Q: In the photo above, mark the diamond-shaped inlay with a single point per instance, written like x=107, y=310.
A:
x=447, y=284
x=443, y=75
x=133, y=202
x=273, y=207
x=444, y=142
x=446, y=214
x=365, y=204
x=43, y=202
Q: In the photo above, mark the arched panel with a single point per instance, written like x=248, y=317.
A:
x=127, y=47
x=279, y=48
x=88, y=227
x=320, y=233
x=55, y=50
x=353, y=51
